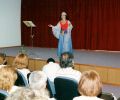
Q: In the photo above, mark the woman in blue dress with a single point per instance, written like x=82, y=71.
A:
x=62, y=31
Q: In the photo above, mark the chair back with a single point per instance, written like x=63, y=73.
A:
x=66, y=88
x=3, y=94
x=21, y=80
x=106, y=96
x=50, y=88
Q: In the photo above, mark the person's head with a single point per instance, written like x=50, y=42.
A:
x=21, y=61
x=66, y=60
x=90, y=84
x=23, y=93
x=8, y=77
x=64, y=16
x=2, y=58
x=37, y=80
x=50, y=60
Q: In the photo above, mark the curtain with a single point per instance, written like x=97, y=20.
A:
x=96, y=22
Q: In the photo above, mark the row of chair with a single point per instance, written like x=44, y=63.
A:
x=66, y=88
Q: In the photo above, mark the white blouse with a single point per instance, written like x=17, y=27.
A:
x=70, y=73
x=24, y=71
x=86, y=98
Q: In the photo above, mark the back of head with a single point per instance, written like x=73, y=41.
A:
x=8, y=77
x=66, y=60
x=21, y=61
x=90, y=84
x=50, y=60
x=37, y=80
x=22, y=94
x=2, y=58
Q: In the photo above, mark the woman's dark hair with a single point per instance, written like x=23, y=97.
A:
x=50, y=60
x=67, y=17
x=68, y=62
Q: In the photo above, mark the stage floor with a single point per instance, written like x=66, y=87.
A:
x=99, y=58
x=102, y=58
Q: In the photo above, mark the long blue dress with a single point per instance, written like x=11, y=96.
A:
x=65, y=41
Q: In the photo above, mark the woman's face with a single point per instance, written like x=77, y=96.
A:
x=63, y=16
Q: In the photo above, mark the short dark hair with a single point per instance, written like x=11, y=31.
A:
x=50, y=60
x=66, y=62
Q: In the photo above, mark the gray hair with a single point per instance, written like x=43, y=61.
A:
x=22, y=94
x=66, y=62
x=37, y=80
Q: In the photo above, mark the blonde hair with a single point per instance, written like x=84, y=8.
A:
x=90, y=84
x=24, y=93
x=8, y=77
x=21, y=61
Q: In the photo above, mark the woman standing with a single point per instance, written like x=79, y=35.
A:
x=62, y=31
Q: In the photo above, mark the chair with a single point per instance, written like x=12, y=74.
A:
x=28, y=75
x=66, y=88
x=106, y=96
x=50, y=88
x=21, y=80
x=3, y=94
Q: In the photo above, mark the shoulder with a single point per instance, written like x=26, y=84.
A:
x=68, y=21
x=52, y=99
x=14, y=88
x=26, y=70
x=77, y=98
x=23, y=71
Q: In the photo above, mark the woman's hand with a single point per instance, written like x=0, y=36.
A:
x=50, y=25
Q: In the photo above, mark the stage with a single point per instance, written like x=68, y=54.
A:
x=99, y=58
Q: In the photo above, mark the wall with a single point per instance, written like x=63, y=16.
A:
x=10, y=28
x=96, y=22
x=108, y=74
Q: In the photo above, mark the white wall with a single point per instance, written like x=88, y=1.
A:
x=10, y=23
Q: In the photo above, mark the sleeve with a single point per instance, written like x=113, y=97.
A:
x=56, y=30
x=70, y=25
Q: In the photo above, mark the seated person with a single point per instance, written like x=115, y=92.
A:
x=24, y=93
x=8, y=76
x=37, y=81
x=3, y=61
x=21, y=64
x=90, y=86
x=67, y=68
x=51, y=68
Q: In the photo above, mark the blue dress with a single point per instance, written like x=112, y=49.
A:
x=65, y=41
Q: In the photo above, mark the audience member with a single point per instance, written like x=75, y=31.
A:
x=51, y=68
x=24, y=93
x=21, y=64
x=37, y=81
x=67, y=67
x=8, y=77
x=3, y=60
x=90, y=86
